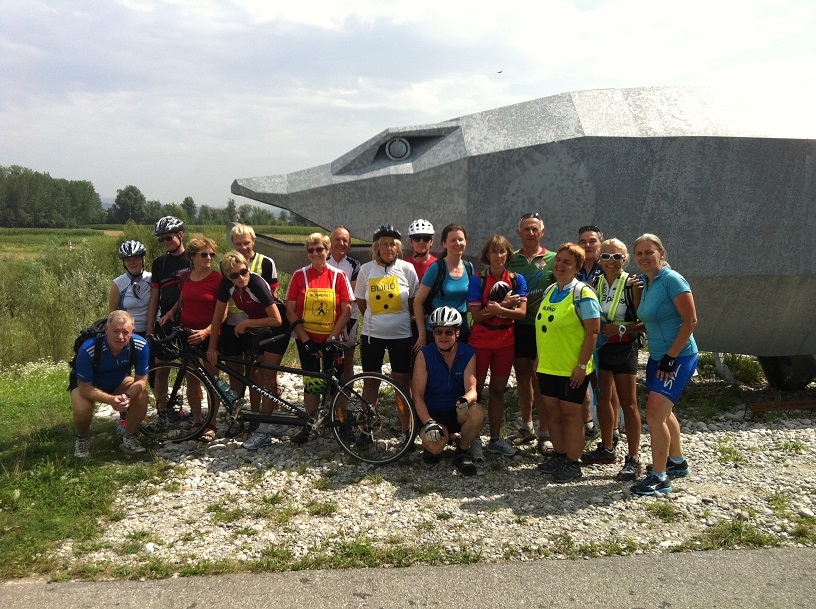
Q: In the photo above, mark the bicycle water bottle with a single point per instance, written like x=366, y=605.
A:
x=229, y=392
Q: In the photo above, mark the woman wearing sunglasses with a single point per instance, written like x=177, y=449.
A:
x=199, y=287
x=617, y=359
x=251, y=294
x=318, y=305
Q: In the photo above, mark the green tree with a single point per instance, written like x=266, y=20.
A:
x=230, y=212
x=130, y=204
x=189, y=207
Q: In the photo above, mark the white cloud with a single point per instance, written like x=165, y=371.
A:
x=181, y=96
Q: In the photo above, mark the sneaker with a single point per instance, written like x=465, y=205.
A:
x=674, y=470
x=82, y=447
x=501, y=447
x=616, y=437
x=571, y=470
x=522, y=436
x=476, y=450
x=278, y=431
x=651, y=485
x=591, y=433
x=463, y=463
x=553, y=464
x=429, y=459
x=257, y=440
x=599, y=456
x=301, y=437
x=120, y=427
x=545, y=447
x=131, y=446
x=631, y=469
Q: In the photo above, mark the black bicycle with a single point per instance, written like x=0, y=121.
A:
x=371, y=416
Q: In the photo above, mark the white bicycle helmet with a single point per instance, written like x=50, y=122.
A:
x=446, y=317
x=131, y=248
x=168, y=224
x=420, y=227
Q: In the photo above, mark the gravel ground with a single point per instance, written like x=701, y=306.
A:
x=223, y=502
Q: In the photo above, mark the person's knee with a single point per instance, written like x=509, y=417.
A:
x=475, y=415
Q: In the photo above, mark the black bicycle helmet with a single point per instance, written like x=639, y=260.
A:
x=168, y=224
x=446, y=317
x=420, y=227
x=131, y=248
x=386, y=230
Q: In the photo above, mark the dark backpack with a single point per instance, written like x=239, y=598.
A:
x=96, y=331
x=436, y=288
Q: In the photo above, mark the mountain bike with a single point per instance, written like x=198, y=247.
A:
x=371, y=417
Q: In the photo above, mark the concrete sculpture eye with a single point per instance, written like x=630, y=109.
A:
x=397, y=149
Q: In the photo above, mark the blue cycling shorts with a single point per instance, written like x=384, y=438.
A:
x=672, y=388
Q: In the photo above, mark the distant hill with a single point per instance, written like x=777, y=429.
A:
x=107, y=202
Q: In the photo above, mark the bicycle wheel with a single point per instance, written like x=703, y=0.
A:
x=373, y=419
x=170, y=411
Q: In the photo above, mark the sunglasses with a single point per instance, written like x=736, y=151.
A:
x=207, y=254
x=316, y=250
x=166, y=238
x=423, y=238
x=242, y=273
x=617, y=257
x=589, y=227
x=535, y=215
x=444, y=332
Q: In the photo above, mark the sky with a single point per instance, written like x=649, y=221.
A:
x=180, y=97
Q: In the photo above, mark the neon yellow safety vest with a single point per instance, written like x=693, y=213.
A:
x=560, y=334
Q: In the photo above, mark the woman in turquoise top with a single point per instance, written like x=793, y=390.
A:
x=667, y=309
x=567, y=326
x=454, y=288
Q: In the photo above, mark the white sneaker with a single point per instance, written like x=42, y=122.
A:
x=82, y=447
x=501, y=447
x=131, y=446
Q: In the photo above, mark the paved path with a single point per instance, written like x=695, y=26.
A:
x=744, y=579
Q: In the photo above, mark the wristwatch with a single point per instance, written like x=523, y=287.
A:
x=621, y=330
x=582, y=366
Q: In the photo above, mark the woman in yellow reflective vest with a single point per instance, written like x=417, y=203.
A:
x=567, y=326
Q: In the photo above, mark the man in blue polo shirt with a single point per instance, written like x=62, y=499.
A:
x=110, y=382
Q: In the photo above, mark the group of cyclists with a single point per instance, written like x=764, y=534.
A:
x=570, y=323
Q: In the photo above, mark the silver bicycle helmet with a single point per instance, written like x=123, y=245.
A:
x=420, y=227
x=386, y=230
x=131, y=248
x=447, y=317
x=168, y=224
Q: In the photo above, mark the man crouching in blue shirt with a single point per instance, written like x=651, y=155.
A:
x=444, y=392
x=109, y=382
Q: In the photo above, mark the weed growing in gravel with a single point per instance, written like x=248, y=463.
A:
x=804, y=533
x=318, y=508
x=285, y=514
x=426, y=526
x=732, y=534
x=373, y=479
x=780, y=503
x=320, y=484
x=793, y=446
x=728, y=452
x=222, y=514
x=663, y=510
x=443, y=516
